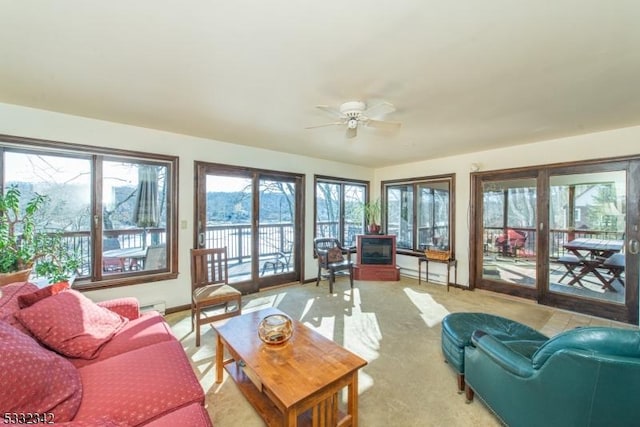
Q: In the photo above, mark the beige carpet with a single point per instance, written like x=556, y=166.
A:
x=395, y=326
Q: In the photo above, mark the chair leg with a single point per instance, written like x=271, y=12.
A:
x=197, y=327
x=351, y=276
x=192, y=315
x=468, y=393
x=460, y=383
x=332, y=278
x=318, y=276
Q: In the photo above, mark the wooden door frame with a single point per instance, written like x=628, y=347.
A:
x=202, y=169
x=627, y=312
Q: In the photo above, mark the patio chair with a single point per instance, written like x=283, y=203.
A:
x=156, y=258
x=111, y=264
x=280, y=261
x=511, y=242
x=331, y=259
x=210, y=289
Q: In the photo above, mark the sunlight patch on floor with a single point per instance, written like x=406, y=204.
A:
x=362, y=335
x=361, y=330
x=431, y=311
x=262, y=302
x=325, y=327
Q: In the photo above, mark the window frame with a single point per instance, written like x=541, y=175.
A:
x=95, y=155
x=342, y=182
x=415, y=183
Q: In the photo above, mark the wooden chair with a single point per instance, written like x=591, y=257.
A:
x=330, y=255
x=210, y=291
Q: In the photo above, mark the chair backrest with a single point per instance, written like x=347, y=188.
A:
x=322, y=245
x=209, y=267
x=599, y=340
x=110, y=243
x=156, y=258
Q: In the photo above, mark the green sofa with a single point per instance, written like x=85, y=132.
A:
x=587, y=376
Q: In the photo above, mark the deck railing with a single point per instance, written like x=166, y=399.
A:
x=279, y=237
x=557, y=239
x=80, y=242
x=273, y=238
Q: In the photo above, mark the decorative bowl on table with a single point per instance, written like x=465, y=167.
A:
x=275, y=329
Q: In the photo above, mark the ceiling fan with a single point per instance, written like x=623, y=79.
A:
x=355, y=113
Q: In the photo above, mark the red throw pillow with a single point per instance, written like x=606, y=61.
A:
x=9, y=295
x=36, y=380
x=71, y=324
x=32, y=298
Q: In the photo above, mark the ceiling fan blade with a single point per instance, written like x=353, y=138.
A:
x=352, y=132
x=326, y=124
x=382, y=124
x=330, y=110
x=379, y=109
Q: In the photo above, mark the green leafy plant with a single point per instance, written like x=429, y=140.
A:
x=23, y=246
x=372, y=212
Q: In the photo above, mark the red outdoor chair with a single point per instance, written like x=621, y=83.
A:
x=511, y=242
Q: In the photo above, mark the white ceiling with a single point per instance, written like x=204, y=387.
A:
x=465, y=75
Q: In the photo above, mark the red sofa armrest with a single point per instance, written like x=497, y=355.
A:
x=125, y=307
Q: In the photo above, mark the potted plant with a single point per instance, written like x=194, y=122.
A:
x=372, y=216
x=24, y=247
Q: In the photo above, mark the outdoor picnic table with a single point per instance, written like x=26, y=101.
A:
x=592, y=253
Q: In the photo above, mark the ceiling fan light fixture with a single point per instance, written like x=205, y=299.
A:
x=354, y=113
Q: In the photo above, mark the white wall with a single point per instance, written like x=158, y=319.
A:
x=27, y=122
x=607, y=144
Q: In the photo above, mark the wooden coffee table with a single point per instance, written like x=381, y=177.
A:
x=294, y=383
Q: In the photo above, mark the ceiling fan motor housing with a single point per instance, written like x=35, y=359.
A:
x=353, y=108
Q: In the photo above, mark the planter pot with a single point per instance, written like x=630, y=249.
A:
x=15, y=276
x=374, y=229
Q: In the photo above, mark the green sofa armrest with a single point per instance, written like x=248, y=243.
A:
x=505, y=357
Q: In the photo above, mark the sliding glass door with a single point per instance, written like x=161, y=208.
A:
x=587, y=223
x=256, y=215
x=509, y=220
x=565, y=236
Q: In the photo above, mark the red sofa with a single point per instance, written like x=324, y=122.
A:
x=68, y=360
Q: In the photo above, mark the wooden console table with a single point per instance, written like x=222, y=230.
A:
x=450, y=263
x=294, y=383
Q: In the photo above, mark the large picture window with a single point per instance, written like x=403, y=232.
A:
x=418, y=211
x=112, y=207
x=339, y=208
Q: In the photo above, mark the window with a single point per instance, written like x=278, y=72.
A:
x=112, y=206
x=418, y=212
x=339, y=208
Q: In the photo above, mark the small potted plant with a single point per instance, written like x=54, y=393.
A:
x=24, y=247
x=372, y=216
